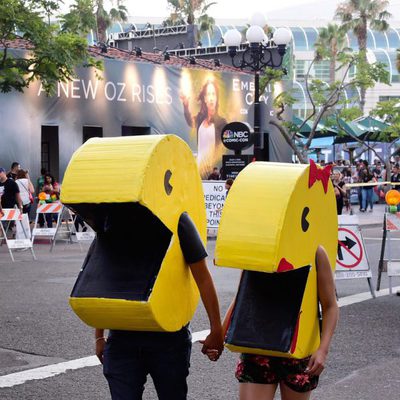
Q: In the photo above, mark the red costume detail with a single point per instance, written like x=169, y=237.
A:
x=295, y=335
x=284, y=265
x=319, y=174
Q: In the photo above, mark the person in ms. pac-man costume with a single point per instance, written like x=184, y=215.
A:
x=279, y=225
x=143, y=196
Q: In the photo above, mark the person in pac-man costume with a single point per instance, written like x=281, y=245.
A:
x=279, y=225
x=142, y=276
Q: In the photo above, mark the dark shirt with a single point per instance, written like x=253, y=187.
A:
x=12, y=176
x=214, y=177
x=8, y=199
x=395, y=178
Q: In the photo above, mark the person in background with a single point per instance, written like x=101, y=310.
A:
x=379, y=175
x=366, y=176
x=40, y=180
x=347, y=179
x=340, y=192
x=395, y=177
x=10, y=196
x=215, y=175
x=52, y=190
x=228, y=185
x=15, y=167
x=26, y=189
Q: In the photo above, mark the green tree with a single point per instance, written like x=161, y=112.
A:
x=192, y=11
x=329, y=103
x=80, y=18
x=358, y=16
x=104, y=18
x=53, y=53
x=330, y=42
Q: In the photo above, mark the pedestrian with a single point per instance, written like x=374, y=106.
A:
x=228, y=185
x=284, y=245
x=215, y=175
x=366, y=191
x=26, y=189
x=9, y=191
x=152, y=270
x=10, y=196
x=259, y=376
x=395, y=178
x=40, y=180
x=338, y=187
x=15, y=167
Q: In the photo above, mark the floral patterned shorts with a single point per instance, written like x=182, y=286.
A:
x=273, y=370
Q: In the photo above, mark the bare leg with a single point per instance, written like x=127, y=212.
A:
x=256, y=391
x=289, y=394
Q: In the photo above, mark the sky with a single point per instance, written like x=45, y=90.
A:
x=224, y=9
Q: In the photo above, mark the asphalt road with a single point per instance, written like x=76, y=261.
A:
x=37, y=328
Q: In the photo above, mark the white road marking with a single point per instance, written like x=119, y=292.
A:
x=18, y=378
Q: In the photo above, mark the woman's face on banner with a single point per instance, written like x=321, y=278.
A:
x=211, y=98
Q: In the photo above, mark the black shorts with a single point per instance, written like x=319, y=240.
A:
x=274, y=370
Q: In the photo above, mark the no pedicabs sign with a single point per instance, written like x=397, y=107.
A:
x=351, y=259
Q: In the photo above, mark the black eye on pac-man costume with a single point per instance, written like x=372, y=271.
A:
x=274, y=219
x=133, y=191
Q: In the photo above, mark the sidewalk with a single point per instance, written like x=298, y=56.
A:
x=374, y=218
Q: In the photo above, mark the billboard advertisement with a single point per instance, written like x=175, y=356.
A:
x=194, y=104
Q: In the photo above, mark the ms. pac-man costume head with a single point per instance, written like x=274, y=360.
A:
x=274, y=219
x=133, y=191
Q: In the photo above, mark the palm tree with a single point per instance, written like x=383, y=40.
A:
x=119, y=12
x=331, y=41
x=105, y=19
x=357, y=16
x=194, y=11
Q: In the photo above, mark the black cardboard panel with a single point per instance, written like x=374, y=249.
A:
x=267, y=308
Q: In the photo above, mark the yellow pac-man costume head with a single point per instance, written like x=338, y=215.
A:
x=133, y=191
x=274, y=219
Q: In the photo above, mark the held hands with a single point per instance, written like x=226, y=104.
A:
x=213, y=345
x=317, y=363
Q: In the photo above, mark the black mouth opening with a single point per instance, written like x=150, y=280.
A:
x=126, y=257
x=267, y=309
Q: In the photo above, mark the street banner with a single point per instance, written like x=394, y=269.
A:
x=214, y=198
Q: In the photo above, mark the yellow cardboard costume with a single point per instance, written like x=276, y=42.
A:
x=158, y=176
x=274, y=219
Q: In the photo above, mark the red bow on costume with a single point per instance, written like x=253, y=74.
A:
x=319, y=174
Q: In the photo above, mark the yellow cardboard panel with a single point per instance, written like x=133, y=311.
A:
x=261, y=224
x=138, y=167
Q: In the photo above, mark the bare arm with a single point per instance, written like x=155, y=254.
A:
x=330, y=311
x=100, y=343
x=210, y=300
x=228, y=316
x=18, y=199
x=31, y=188
x=186, y=112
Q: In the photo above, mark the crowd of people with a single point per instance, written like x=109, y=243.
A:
x=18, y=191
x=362, y=172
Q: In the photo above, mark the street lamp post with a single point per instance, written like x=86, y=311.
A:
x=261, y=52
